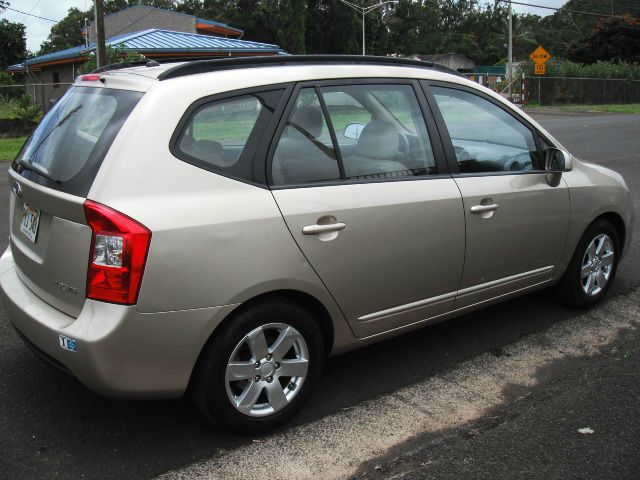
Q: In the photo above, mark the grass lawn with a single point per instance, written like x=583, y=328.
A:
x=626, y=108
x=9, y=148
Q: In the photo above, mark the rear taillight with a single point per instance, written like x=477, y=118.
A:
x=119, y=247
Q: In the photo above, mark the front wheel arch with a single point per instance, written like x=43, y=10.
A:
x=618, y=223
x=568, y=289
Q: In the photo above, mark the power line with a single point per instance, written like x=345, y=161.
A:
x=31, y=15
x=32, y=9
x=567, y=10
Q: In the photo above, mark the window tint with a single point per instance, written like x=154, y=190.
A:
x=222, y=135
x=379, y=129
x=391, y=139
x=345, y=110
x=485, y=137
x=305, y=152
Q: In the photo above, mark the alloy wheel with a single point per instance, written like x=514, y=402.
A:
x=597, y=265
x=266, y=369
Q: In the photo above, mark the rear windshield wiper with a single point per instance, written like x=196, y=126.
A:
x=28, y=166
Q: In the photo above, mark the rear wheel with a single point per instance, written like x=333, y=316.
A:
x=592, y=267
x=259, y=370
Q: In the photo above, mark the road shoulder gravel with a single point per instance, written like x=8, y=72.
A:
x=478, y=395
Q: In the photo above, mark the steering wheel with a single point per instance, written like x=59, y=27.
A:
x=522, y=161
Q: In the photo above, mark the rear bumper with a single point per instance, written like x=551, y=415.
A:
x=121, y=352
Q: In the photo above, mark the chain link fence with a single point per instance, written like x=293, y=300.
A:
x=588, y=91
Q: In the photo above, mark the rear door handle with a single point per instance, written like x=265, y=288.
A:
x=484, y=208
x=318, y=229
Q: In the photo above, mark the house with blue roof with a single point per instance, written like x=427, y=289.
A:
x=156, y=33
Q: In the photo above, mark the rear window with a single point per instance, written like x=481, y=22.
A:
x=68, y=147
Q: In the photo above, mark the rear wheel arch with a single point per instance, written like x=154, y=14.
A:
x=317, y=310
x=295, y=313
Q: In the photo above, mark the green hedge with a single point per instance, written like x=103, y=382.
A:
x=605, y=70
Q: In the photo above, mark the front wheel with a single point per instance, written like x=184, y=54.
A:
x=592, y=267
x=259, y=370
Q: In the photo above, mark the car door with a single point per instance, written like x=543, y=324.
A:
x=375, y=213
x=517, y=221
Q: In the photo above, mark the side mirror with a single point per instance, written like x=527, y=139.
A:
x=556, y=160
x=353, y=130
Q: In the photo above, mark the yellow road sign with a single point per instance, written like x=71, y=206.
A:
x=540, y=55
x=541, y=69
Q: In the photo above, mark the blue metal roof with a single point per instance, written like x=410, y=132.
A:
x=158, y=41
x=53, y=57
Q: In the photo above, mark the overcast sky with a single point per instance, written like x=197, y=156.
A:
x=38, y=29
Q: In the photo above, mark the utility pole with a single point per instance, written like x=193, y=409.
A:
x=510, y=46
x=101, y=50
x=363, y=11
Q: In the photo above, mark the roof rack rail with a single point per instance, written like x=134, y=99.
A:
x=227, y=63
x=119, y=65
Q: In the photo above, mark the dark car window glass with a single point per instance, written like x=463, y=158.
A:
x=391, y=138
x=344, y=110
x=485, y=138
x=304, y=152
x=222, y=135
x=67, y=149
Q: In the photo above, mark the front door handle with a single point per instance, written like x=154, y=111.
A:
x=484, y=208
x=318, y=229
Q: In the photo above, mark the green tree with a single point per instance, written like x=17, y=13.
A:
x=67, y=33
x=292, y=32
x=13, y=46
x=563, y=31
x=612, y=39
x=331, y=27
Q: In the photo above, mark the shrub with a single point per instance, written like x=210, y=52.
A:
x=25, y=110
x=604, y=70
x=9, y=87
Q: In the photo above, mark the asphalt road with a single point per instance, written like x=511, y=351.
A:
x=52, y=427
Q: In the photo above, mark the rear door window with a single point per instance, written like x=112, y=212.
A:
x=353, y=132
x=68, y=147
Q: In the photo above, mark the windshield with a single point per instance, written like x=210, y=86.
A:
x=67, y=148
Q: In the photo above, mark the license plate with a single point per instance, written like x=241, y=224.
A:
x=30, y=221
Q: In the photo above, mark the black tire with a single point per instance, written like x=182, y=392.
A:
x=209, y=387
x=569, y=289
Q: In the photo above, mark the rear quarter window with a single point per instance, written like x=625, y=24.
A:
x=222, y=135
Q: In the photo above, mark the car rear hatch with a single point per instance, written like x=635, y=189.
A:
x=50, y=179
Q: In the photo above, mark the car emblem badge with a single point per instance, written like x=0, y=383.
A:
x=17, y=189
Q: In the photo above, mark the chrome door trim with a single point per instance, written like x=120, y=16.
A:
x=501, y=281
x=450, y=295
x=408, y=306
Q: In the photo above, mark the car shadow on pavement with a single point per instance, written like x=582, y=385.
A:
x=580, y=420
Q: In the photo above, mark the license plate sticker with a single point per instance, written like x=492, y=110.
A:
x=67, y=343
x=30, y=222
